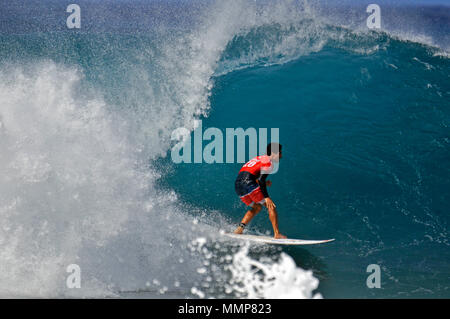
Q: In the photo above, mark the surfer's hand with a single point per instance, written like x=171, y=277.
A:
x=268, y=183
x=270, y=204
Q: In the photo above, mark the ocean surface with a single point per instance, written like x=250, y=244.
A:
x=86, y=173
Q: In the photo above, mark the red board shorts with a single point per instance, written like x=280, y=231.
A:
x=248, y=189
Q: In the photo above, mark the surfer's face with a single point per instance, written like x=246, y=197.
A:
x=276, y=157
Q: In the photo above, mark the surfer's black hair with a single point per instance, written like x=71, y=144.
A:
x=276, y=147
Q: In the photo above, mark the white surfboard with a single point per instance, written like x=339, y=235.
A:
x=271, y=240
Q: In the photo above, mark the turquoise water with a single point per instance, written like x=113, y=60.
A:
x=363, y=136
x=86, y=118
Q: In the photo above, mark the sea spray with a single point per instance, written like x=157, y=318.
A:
x=59, y=157
x=270, y=279
x=233, y=270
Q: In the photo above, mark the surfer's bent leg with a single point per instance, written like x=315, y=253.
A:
x=248, y=217
x=250, y=194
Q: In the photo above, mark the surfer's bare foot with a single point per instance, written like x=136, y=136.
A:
x=279, y=236
x=239, y=230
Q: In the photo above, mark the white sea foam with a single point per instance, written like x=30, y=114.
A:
x=282, y=279
x=74, y=190
x=59, y=158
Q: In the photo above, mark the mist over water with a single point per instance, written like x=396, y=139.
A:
x=85, y=125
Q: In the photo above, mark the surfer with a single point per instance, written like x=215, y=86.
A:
x=251, y=187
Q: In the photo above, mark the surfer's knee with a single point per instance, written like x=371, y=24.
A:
x=256, y=208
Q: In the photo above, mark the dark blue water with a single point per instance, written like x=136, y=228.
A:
x=362, y=142
x=363, y=119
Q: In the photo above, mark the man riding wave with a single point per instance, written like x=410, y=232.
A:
x=251, y=187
